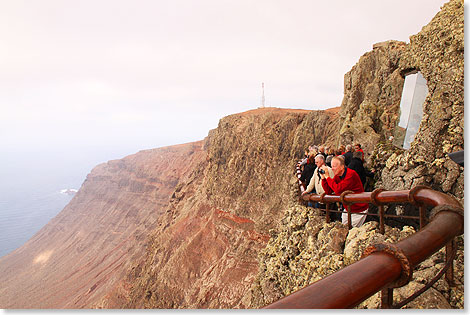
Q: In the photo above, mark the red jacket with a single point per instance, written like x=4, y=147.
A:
x=349, y=181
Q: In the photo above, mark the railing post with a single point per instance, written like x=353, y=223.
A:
x=386, y=298
x=422, y=217
x=382, y=219
x=349, y=217
x=450, y=272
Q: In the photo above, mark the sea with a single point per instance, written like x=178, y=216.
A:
x=36, y=186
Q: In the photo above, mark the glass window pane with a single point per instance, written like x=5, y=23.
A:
x=413, y=96
x=416, y=112
x=406, y=99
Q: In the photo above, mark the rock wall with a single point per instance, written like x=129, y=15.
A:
x=372, y=93
x=204, y=252
x=438, y=52
x=370, y=108
x=251, y=157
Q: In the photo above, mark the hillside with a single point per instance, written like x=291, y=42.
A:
x=209, y=205
x=196, y=225
x=204, y=253
x=81, y=253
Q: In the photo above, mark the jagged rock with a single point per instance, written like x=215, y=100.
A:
x=285, y=267
x=142, y=233
x=372, y=92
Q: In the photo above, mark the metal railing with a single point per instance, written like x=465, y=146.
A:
x=385, y=266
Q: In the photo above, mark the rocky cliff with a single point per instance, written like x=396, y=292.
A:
x=87, y=248
x=304, y=249
x=204, y=254
x=371, y=105
x=197, y=225
x=179, y=226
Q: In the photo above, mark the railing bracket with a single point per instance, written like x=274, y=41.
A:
x=406, y=267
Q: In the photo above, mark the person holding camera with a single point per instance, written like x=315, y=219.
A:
x=315, y=182
x=345, y=179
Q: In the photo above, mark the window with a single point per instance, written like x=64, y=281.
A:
x=414, y=93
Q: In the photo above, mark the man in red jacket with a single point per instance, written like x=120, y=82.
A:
x=345, y=179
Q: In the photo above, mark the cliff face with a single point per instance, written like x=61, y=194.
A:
x=172, y=227
x=371, y=105
x=438, y=52
x=184, y=226
x=372, y=93
x=81, y=253
x=219, y=220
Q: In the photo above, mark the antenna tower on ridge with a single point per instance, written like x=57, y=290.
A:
x=262, y=96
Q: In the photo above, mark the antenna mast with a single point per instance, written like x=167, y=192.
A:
x=262, y=96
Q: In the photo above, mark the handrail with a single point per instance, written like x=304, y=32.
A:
x=383, y=266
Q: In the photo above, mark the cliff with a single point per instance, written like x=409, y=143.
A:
x=81, y=253
x=188, y=221
x=371, y=105
x=219, y=220
x=304, y=249
x=216, y=223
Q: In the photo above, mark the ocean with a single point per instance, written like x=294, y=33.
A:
x=32, y=188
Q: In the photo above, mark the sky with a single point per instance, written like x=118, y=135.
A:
x=121, y=76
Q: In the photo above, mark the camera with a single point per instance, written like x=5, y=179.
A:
x=321, y=171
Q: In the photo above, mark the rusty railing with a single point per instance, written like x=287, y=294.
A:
x=385, y=266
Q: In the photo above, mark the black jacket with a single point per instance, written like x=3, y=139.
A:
x=347, y=157
x=357, y=165
x=307, y=174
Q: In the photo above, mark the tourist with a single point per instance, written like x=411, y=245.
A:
x=309, y=168
x=312, y=150
x=315, y=182
x=358, y=148
x=331, y=154
x=348, y=154
x=358, y=165
x=342, y=149
x=345, y=179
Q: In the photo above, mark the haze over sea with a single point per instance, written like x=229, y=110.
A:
x=31, y=184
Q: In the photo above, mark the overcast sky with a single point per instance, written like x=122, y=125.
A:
x=146, y=73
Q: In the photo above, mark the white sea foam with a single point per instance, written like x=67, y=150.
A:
x=68, y=191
